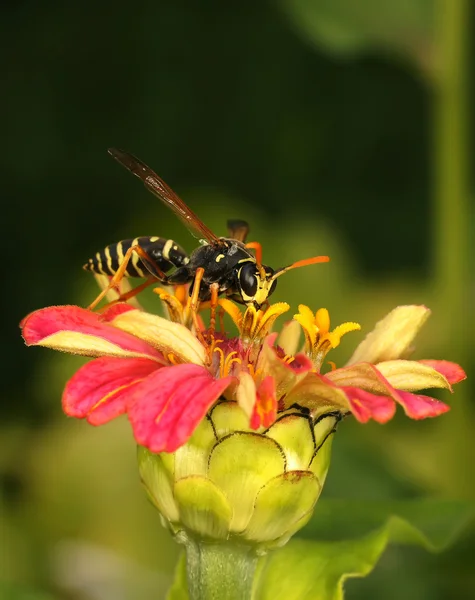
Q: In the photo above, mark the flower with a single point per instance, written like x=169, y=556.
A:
x=235, y=433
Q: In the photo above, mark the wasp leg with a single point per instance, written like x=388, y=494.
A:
x=191, y=314
x=119, y=274
x=131, y=293
x=257, y=247
x=214, y=289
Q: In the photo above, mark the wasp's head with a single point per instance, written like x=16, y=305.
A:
x=255, y=283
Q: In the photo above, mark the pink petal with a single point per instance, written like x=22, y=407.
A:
x=365, y=405
x=48, y=322
x=417, y=406
x=115, y=310
x=367, y=377
x=168, y=405
x=100, y=389
x=451, y=371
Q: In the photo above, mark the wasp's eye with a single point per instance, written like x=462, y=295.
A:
x=248, y=279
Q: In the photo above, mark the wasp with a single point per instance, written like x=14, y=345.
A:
x=219, y=265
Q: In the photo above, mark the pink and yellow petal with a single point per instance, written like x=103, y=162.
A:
x=365, y=405
x=368, y=378
x=265, y=406
x=417, y=406
x=451, y=371
x=80, y=331
x=100, y=390
x=411, y=375
x=392, y=337
x=320, y=395
x=164, y=335
x=168, y=406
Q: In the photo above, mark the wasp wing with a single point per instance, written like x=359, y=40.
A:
x=159, y=188
x=238, y=230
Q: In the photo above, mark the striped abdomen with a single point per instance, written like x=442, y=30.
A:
x=165, y=254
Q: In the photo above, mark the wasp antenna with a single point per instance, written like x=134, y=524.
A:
x=300, y=263
x=262, y=271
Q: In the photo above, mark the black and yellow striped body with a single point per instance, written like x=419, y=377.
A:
x=164, y=253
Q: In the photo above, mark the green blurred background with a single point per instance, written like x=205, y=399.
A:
x=335, y=127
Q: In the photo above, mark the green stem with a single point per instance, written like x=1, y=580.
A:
x=452, y=196
x=219, y=571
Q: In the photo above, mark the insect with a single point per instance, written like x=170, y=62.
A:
x=219, y=265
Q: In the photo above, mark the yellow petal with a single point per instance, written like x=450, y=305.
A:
x=411, y=376
x=306, y=319
x=84, y=344
x=248, y=324
x=322, y=320
x=336, y=335
x=270, y=315
x=162, y=334
x=232, y=310
x=307, y=315
x=173, y=306
x=392, y=336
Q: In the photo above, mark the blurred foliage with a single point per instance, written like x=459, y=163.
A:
x=324, y=153
x=348, y=28
x=318, y=568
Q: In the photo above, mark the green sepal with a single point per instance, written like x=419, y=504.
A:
x=192, y=457
x=156, y=480
x=321, y=461
x=203, y=507
x=294, y=434
x=240, y=465
x=229, y=417
x=281, y=503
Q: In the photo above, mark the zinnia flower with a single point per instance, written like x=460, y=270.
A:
x=234, y=433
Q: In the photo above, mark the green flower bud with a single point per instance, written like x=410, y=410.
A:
x=229, y=482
